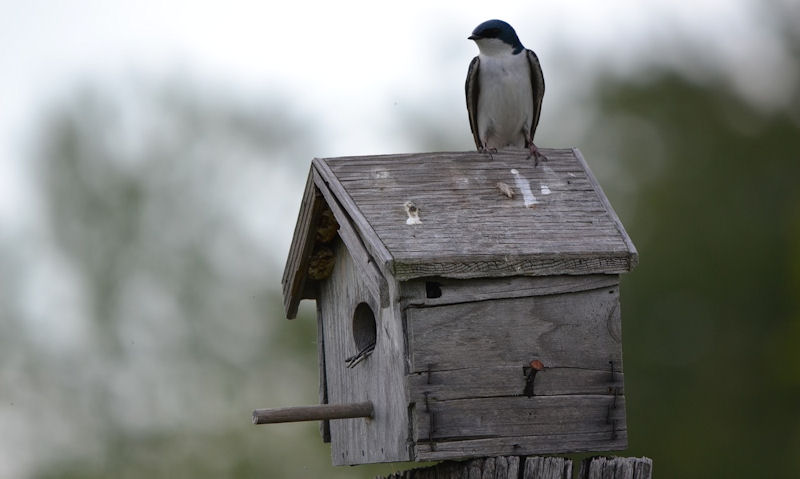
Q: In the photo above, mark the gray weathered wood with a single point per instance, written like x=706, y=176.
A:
x=376, y=247
x=454, y=291
x=609, y=208
x=517, y=417
x=545, y=444
x=474, y=266
x=375, y=279
x=537, y=467
x=480, y=468
x=294, y=274
x=379, y=378
x=533, y=467
x=579, y=330
x=497, y=326
x=616, y=468
x=494, y=381
x=313, y=413
x=469, y=360
x=324, y=425
x=468, y=229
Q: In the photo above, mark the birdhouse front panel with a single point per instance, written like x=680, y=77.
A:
x=363, y=350
x=515, y=366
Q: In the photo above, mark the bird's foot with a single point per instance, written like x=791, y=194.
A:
x=489, y=152
x=537, y=155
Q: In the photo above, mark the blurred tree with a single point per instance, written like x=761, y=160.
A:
x=708, y=187
x=161, y=201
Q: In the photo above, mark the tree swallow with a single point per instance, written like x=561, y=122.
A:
x=505, y=87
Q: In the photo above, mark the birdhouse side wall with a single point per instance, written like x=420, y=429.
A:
x=378, y=378
x=514, y=366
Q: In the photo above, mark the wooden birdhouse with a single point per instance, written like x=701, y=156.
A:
x=467, y=304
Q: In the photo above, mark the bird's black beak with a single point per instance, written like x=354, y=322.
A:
x=473, y=37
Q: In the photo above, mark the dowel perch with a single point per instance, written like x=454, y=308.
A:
x=313, y=413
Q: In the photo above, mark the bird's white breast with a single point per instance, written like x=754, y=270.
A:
x=505, y=105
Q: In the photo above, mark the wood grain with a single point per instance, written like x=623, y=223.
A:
x=538, y=444
x=376, y=247
x=455, y=291
x=578, y=330
x=533, y=467
x=294, y=273
x=609, y=208
x=467, y=228
x=366, y=263
x=537, y=467
x=324, y=425
x=379, y=378
x=491, y=418
x=501, y=467
x=616, y=468
x=471, y=363
x=498, y=381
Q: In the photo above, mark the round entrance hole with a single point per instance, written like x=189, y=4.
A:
x=364, y=331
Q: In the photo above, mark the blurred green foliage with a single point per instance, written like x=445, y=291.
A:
x=711, y=314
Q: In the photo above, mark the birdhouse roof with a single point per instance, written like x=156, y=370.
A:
x=462, y=215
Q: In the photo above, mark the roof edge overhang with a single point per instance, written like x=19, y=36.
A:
x=323, y=190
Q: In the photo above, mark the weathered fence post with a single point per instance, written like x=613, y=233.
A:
x=616, y=468
x=534, y=467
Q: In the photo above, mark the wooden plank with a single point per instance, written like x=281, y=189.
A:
x=533, y=467
x=537, y=467
x=498, y=381
x=375, y=246
x=609, y=208
x=375, y=278
x=533, y=264
x=616, y=468
x=463, y=215
x=501, y=467
x=523, y=445
x=324, y=425
x=518, y=416
x=580, y=330
x=379, y=378
x=453, y=291
x=295, y=271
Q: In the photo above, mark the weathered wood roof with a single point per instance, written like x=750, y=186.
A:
x=558, y=221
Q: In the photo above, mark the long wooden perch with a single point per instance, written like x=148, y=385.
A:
x=313, y=413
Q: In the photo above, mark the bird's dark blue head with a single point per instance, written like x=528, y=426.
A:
x=500, y=30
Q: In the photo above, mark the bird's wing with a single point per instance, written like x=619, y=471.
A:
x=472, y=88
x=537, y=88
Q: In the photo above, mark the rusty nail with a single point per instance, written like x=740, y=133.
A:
x=536, y=366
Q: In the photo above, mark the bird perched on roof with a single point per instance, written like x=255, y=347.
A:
x=504, y=88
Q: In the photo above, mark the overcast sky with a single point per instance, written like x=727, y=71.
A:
x=351, y=65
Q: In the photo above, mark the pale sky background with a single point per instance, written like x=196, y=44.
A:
x=353, y=65
x=359, y=68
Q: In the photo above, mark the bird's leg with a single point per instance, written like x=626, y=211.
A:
x=489, y=151
x=536, y=154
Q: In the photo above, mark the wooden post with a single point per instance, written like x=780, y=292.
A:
x=313, y=413
x=533, y=467
x=617, y=468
